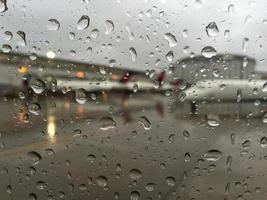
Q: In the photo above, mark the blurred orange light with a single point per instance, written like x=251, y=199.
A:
x=23, y=69
x=80, y=74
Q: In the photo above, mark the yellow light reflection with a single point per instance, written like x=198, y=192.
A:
x=51, y=128
x=23, y=69
x=80, y=74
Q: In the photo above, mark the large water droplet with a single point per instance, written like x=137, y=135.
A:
x=80, y=96
x=37, y=85
x=208, y=52
x=53, y=25
x=3, y=6
x=107, y=123
x=135, y=174
x=171, y=39
x=34, y=108
x=212, y=29
x=133, y=53
x=83, y=22
x=109, y=26
x=213, y=155
x=144, y=122
x=22, y=38
x=35, y=157
x=102, y=181
x=6, y=48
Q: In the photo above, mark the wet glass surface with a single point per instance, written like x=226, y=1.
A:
x=133, y=100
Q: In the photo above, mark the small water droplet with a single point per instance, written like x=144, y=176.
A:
x=133, y=53
x=171, y=39
x=238, y=95
x=22, y=38
x=144, y=122
x=246, y=144
x=169, y=56
x=263, y=142
x=37, y=85
x=35, y=157
x=102, y=181
x=187, y=157
x=109, y=26
x=208, y=52
x=135, y=174
x=83, y=22
x=32, y=196
x=171, y=138
x=107, y=123
x=34, y=108
x=135, y=195
x=150, y=187
x=213, y=120
x=8, y=35
x=229, y=164
x=41, y=185
x=186, y=134
x=213, y=155
x=212, y=29
x=53, y=25
x=171, y=181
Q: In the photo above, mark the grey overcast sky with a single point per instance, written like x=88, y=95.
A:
x=139, y=24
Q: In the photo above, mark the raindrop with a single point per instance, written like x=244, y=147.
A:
x=107, y=123
x=213, y=120
x=91, y=158
x=171, y=138
x=41, y=185
x=239, y=95
x=263, y=142
x=245, y=44
x=80, y=96
x=37, y=85
x=232, y=138
x=53, y=25
x=229, y=164
x=8, y=35
x=135, y=174
x=144, y=122
x=231, y=9
x=109, y=25
x=170, y=39
x=135, y=195
x=83, y=22
x=102, y=181
x=170, y=181
x=150, y=187
x=187, y=157
x=35, y=157
x=22, y=38
x=133, y=54
x=246, y=144
x=208, y=52
x=213, y=155
x=264, y=87
x=3, y=6
x=186, y=134
x=6, y=48
x=71, y=35
x=212, y=29
x=94, y=33
x=34, y=108
x=32, y=196
x=169, y=56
